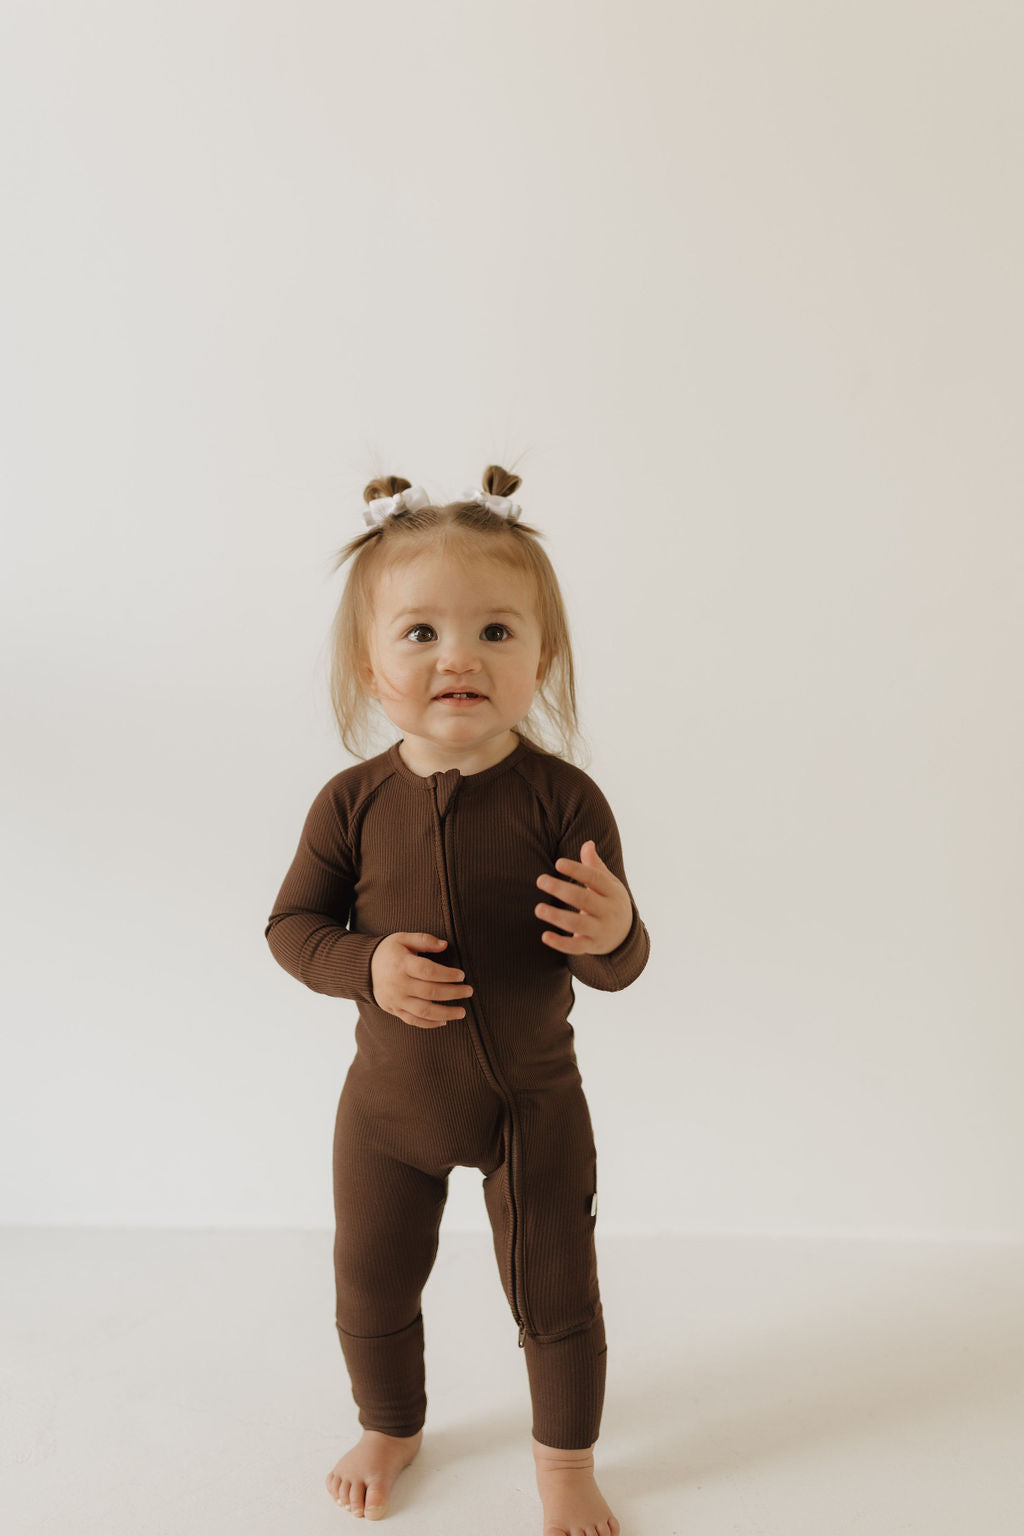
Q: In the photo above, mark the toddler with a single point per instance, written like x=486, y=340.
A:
x=454, y=886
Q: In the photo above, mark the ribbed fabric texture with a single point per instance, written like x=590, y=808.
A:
x=385, y=850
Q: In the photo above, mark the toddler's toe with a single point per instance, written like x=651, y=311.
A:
x=376, y=1503
x=356, y=1497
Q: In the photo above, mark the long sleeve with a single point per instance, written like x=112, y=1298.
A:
x=307, y=929
x=592, y=817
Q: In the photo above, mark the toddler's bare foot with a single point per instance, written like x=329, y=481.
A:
x=361, y=1481
x=573, y=1503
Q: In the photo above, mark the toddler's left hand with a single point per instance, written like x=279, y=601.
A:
x=604, y=912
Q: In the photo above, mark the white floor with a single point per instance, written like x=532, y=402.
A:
x=192, y=1382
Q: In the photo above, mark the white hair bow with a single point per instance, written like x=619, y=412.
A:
x=383, y=507
x=503, y=505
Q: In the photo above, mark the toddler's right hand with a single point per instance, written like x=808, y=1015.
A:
x=411, y=986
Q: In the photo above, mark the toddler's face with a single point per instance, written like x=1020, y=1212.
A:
x=440, y=626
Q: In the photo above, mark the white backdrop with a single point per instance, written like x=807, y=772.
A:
x=736, y=289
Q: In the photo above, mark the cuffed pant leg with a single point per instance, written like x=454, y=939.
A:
x=388, y=1215
x=567, y=1381
x=555, y=1186
x=387, y=1376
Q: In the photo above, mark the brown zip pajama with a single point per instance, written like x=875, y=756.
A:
x=386, y=850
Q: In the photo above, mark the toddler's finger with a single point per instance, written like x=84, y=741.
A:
x=442, y=973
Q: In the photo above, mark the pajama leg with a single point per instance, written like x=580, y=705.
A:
x=554, y=1284
x=387, y=1217
x=567, y=1379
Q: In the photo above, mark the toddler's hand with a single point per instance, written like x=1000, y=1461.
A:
x=411, y=986
x=604, y=912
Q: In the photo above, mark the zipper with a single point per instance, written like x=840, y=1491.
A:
x=473, y=1007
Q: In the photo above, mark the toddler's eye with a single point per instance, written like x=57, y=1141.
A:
x=496, y=625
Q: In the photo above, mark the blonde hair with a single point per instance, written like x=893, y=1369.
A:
x=466, y=531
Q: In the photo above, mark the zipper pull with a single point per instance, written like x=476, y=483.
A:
x=522, y=1335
